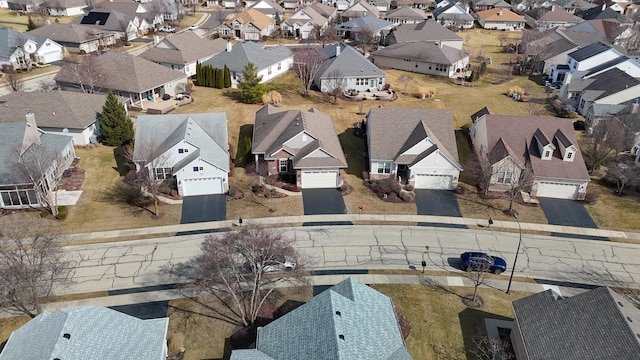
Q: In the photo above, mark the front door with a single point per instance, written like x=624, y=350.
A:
x=373, y=83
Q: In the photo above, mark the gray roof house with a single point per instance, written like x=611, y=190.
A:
x=406, y=15
x=192, y=148
x=548, y=147
x=301, y=143
x=68, y=113
x=331, y=326
x=453, y=16
x=416, y=146
x=480, y=5
x=88, y=333
x=126, y=75
x=423, y=57
x=304, y=22
x=75, y=37
x=347, y=63
x=370, y=24
x=129, y=26
x=20, y=50
x=183, y=50
x=24, y=149
x=597, y=324
x=612, y=87
x=271, y=61
x=542, y=18
x=428, y=30
x=359, y=9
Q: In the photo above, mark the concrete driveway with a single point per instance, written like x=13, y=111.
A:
x=203, y=208
x=438, y=203
x=568, y=213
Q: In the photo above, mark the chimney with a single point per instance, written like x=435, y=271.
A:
x=553, y=7
x=31, y=134
x=604, y=6
x=156, y=39
x=634, y=106
x=337, y=49
x=500, y=13
x=229, y=47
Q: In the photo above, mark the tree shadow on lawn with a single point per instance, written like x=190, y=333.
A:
x=243, y=155
x=354, y=148
x=472, y=323
x=123, y=161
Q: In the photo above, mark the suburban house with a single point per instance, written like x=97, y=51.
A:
x=346, y=63
x=597, y=324
x=612, y=87
x=303, y=144
x=331, y=323
x=542, y=18
x=304, y=22
x=68, y=113
x=88, y=332
x=601, y=12
x=415, y=146
x=427, y=30
x=539, y=155
x=20, y=51
x=364, y=28
x=193, y=149
x=359, y=9
x=126, y=75
x=168, y=10
x=480, y=5
x=382, y=5
x=124, y=26
x=417, y=4
x=423, y=57
x=271, y=62
x=267, y=7
x=500, y=19
x=340, y=5
x=250, y=24
x=453, y=16
x=406, y=15
x=152, y=12
x=66, y=7
x=610, y=29
x=27, y=6
x=31, y=163
x=325, y=10
x=76, y=38
x=182, y=51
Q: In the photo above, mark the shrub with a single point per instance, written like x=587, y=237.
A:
x=133, y=195
x=407, y=196
x=256, y=188
x=384, y=187
x=44, y=213
x=591, y=196
x=272, y=97
x=165, y=189
x=515, y=90
x=62, y=209
x=61, y=216
x=422, y=93
x=409, y=187
x=291, y=187
x=459, y=190
x=233, y=190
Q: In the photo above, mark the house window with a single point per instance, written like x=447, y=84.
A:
x=569, y=155
x=279, y=66
x=195, y=168
x=163, y=173
x=283, y=165
x=582, y=103
x=505, y=177
x=547, y=153
x=384, y=168
x=180, y=151
x=269, y=71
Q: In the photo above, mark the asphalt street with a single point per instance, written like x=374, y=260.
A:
x=151, y=262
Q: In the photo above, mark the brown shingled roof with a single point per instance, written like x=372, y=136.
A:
x=254, y=17
x=499, y=14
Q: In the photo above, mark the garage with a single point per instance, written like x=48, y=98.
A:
x=201, y=186
x=320, y=179
x=433, y=181
x=557, y=190
x=51, y=56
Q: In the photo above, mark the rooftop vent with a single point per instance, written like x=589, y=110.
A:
x=619, y=303
x=342, y=336
x=67, y=336
x=628, y=318
x=338, y=313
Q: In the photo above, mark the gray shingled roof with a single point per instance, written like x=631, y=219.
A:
x=350, y=63
x=206, y=131
x=53, y=109
x=610, y=82
x=68, y=33
x=245, y=52
x=10, y=39
x=368, y=23
x=428, y=30
x=589, y=51
x=184, y=48
x=114, y=22
x=349, y=321
x=442, y=13
x=96, y=333
x=273, y=128
x=394, y=130
x=122, y=71
x=406, y=13
x=595, y=325
x=518, y=133
x=309, y=11
x=422, y=51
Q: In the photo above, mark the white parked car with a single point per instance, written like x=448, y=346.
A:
x=277, y=263
x=167, y=28
x=193, y=27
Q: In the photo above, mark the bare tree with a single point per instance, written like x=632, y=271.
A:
x=153, y=170
x=32, y=264
x=15, y=82
x=478, y=269
x=306, y=64
x=480, y=171
x=405, y=80
x=336, y=83
x=623, y=175
x=237, y=268
x=86, y=72
x=366, y=39
x=607, y=139
x=324, y=35
x=491, y=348
x=522, y=183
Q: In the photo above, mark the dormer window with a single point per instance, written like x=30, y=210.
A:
x=569, y=155
x=547, y=153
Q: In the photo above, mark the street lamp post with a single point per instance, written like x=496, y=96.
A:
x=513, y=268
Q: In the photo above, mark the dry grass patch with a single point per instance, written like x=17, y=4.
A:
x=612, y=211
x=473, y=206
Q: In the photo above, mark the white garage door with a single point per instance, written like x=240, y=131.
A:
x=557, y=190
x=429, y=181
x=204, y=186
x=319, y=179
x=52, y=56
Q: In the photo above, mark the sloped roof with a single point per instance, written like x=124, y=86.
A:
x=422, y=51
x=324, y=9
x=444, y=13
x=105, y=19
x=155, y=134
x=610, y=82
x=480, y=113
x=314, y=17
x=246, y=52
x=69, y=33
x=95, y=333
x=553, y=15
x=273, y=8
x=608, y=28
x=406, y=13
x=517, y=132
x=370, y=23
x=350, y=63
x=394, y=130
x=597, y=324
x=253, y=16
x=348, y=321
x=428, y=30
x=596, y=12
x=122, y=71
x=10, y=39
x=53, y=109
x=499, y=14
x=273, y=128
x=493, y=3
x=589, y=51
x=355, y=10
x=183, y=48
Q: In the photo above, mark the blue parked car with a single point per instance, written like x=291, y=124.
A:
x=478, y=261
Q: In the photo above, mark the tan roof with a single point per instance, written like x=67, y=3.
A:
x=254, y=17
x=69, y=33
x=273, y=128
x=499, y=14
x=519, y=134
x=395, y=130
x=184, y=48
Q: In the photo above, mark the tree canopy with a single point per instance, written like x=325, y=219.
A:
x=115, y=125
x=250, y=86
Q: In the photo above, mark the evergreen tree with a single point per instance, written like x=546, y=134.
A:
x=31, y=25
x=211, y=76
x=250, y=86
x=219, y=79
x=115, y=125
x=199, y=73
x=227, y=77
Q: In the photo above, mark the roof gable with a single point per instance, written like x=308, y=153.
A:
x=349, y=62
x=245, y=52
